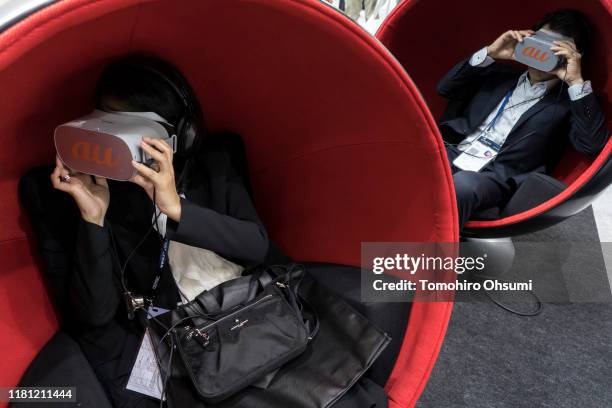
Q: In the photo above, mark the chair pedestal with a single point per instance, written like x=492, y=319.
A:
x=499, y=253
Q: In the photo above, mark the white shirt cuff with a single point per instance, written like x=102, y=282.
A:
x=580, y=90
x=481, y=59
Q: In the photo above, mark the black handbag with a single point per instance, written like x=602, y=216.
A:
x=235, y=334
x=345, y=347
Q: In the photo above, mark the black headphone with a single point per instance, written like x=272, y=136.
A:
x=190, y=129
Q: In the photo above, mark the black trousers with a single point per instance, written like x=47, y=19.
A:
x=476, y=190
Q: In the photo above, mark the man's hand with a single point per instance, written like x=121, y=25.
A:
x=162, y=181
x=571, y=72
x=503, y=47
x=90, y=193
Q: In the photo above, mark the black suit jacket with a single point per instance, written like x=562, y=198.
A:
x=539, y=137
x=217, y=214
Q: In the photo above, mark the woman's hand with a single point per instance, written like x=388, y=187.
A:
x=90, y=192
x=571, y=72
x=503, y=47
x=162, y=181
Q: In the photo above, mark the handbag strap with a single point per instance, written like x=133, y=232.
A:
x=228, y=296
x=225, y=297
x=314, y=322
x=208, y=302
x=291, y=276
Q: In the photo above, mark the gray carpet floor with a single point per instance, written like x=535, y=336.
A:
x=560, y=358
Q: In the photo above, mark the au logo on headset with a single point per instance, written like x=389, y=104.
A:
x=536, y=53
x=535, y=50
x=86, y=151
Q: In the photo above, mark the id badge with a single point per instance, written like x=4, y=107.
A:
x=477, y=155
x=145, y=377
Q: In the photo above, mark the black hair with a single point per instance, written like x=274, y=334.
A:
x=140, y=83
x=570, y=23
x=132, y=88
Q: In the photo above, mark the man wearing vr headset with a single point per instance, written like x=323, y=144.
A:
x=502, y=125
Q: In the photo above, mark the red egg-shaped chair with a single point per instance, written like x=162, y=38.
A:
x=341, y=147
x=429, y=36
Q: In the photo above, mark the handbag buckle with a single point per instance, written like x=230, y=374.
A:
x=201, y=336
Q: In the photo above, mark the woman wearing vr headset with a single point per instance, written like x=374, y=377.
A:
x=204, y=211
x=208, y=229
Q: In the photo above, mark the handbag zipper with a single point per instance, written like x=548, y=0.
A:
x=201, y=333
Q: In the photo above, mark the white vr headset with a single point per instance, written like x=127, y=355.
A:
x=104, y=144
x=535, y=50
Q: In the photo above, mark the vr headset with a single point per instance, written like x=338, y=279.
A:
x=104, y=144
x=535, y=51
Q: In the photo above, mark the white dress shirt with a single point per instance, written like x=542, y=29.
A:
x=196, y=269
x=523, y=97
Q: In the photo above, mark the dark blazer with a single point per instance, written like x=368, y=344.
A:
x=541, y=134
x=217, y=214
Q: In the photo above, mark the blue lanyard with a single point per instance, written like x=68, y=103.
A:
x=500, y=110
x=163, y=260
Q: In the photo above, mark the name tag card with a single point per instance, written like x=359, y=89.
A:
x=145, y=377
x=477, y=155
